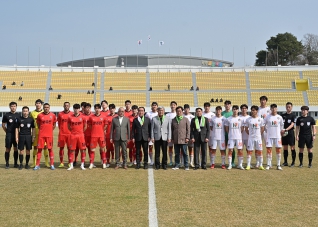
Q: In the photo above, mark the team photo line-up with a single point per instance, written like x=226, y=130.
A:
x=139, y=132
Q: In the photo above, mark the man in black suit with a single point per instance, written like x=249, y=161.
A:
x=199, y=134
x=140, y=134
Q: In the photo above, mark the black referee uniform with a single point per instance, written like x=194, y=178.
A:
x=290, y=138
x=25, y=127
x=10, y=120
x=305, y=136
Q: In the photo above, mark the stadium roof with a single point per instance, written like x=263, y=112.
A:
x=148, y=60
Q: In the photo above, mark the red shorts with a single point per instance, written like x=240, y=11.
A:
x=97, y=140
x=131, y=145
x=109, y=145
x=63, y=140
x=45, y=141
x=77, y=141
x=87, y=141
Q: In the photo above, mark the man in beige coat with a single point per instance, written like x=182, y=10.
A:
x=180, y=136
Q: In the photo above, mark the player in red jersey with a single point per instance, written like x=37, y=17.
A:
x=64, y=132
x=128, y=111
x=77, y=124
x=105, y=110
x=87, y=133
x=131, y=145
x=82, y=107
x=97, y=123
x=46, y=122
x=109, y=145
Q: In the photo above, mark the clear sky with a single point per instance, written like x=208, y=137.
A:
x=114, y=27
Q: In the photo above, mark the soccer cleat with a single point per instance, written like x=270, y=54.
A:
x=27, y=166
x=151, y=164
x=241, y=167
x=181, y=166
x=310, y=166
x=52, y=167
x=229, y=167
x=170, y=164
x=36, y=168
x=285, y=164
x=300, y=166
x=16, y=166
x=74, y=163
x=107, y=165
x=61, y=165
x=130, y=164
x=32, y=166
x=248, y=168
x=94, y=166
x=261, y=168
x=268, y=167
x=7, y=166
x=233, y=165
x=187, y=168
x=70, y=168
x=279, y=168
x=48, y=165
x=104, y=166
x=212, y=166
x=20, y=167
x=135, y=163
x=223, y=167
x=82, y=167
x=191, y=164
x=175, y=168
x=91, y=166
x=257, y=166
x=292, y=165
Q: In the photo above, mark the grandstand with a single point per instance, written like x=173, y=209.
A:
x=240, y=85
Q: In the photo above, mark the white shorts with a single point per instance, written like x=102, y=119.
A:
x=245, y=143
x=254, y=144
x=237, y=143
x=218, y=143
x=277, y=142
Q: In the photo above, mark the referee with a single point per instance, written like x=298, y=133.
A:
x=305, y=134
x=8, y=125
x=25, y=135
x=289, y=140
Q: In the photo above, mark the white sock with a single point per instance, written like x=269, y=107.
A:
x=240, y=160
x=248, y=160
x=150, y=157
x=213, y=159
x=230, y=159
x=223, y=159
x=260, y=160
x=269, y=159
x=278, y=156
x=71, y=165
x=191, y=158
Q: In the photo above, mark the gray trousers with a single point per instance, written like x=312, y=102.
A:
x=123, y=145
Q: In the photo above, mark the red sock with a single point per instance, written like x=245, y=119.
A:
x=131, y=155
x=83, y=156
x=71, y=157
x=38, y=158
x=61, y=153
x=76, y=154
x=91, y=157
x=68, y=153
x=51, y=154
x=103, y=155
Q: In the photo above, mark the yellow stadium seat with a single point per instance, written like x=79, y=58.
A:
x=28, y=98
x=220, y=80
x=72, y=97
x=31, y=80
x=125, y=81
x=313, y=97
x=119, y=99
x=313, y=76
x=72, y=80
x=279, y=98
x=236, y=98
x=164, y=98
x=272, y=79
x=176, y=80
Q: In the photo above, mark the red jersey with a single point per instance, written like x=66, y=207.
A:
x=45, y=123
x=105, y=113
x=77, y=124
x=128, y=113
x=109, y=120
x=131, y=119
x=62, y=120
x=97, y=125
x=86, y=117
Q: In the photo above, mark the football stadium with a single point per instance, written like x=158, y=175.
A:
x=128, y=138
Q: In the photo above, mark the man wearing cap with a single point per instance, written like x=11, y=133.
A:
x=160, y=136
x=34, y=114
x=305, y=134
x=200, y=133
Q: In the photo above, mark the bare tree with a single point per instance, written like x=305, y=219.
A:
x=310, y=52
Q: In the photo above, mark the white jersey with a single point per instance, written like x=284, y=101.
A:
x=171, y=115
x=274, y=125
x=151, y=114
x=234, y=124
x=208, y=115
x=217, y=124
x=243, y=119
x=189, y=117
x=254, y=127
x=263, y=112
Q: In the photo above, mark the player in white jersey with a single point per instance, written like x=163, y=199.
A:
x=254, y=127
x=218, y=137
x=189, y=116
x=263, y=111
x=244, y=116
x=171, y=115
x=275, y=129
x=150, y=115
x=208, y=114
x=234, y=128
